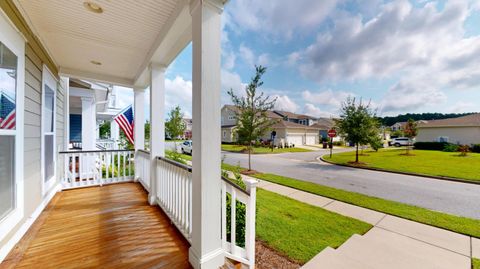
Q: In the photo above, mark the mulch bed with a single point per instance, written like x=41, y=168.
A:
x=267, y=258
x=248, y=172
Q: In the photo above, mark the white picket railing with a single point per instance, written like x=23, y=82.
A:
x=106, y=144
x=142, y=168
x=97, y=167
x=239, y=249
x=174, y=193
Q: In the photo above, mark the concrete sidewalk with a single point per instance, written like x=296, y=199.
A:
x=392, y=243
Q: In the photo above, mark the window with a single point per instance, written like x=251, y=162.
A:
x=224, y=134
x=443, y=139
x=230, y=117
x=48, y=129
x=12, y=72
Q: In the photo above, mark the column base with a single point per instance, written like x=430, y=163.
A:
x=213, y=260
x=152, y=200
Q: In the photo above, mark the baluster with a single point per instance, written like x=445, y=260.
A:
x=233, y=204
x=124, y=166
x=224, y=214
x=74, y=167
x=118, y=167
x=250, y=221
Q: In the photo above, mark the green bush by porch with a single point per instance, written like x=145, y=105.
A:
x=261, y=150
x=426, y=162
x=476, y=263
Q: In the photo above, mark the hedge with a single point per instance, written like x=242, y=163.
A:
x=475, y=148
x=431, y=145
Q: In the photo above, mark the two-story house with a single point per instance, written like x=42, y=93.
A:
x=291, y=128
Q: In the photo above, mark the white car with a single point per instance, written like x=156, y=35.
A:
x=187, y=147
x=401, y=141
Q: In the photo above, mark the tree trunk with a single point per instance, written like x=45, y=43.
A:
x=356, y=155
x=249, y=156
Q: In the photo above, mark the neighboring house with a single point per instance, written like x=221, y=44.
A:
x=188, y=128
x=462, y=130
x=291, y=128
x=398, y=126
x=57, y=62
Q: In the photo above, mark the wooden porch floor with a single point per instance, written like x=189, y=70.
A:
x=101, y=227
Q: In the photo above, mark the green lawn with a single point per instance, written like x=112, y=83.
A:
x=261, y=150
x=426, y=162
x=457, y=224
x=476, y=263
x=299, y=230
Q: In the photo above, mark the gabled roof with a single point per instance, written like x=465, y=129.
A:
x=472, y=120
x=288, y=124
x=321, y=126
x=292, y=115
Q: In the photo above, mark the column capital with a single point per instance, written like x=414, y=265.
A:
x=157, y=66
x=216, y=5
x=87, y=99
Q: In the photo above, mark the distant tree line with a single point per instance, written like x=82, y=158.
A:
x=389, y=121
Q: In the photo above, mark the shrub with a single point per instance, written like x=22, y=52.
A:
x=463, y=149
x=338, y=143
x=450, y=148
x=430, y=145
x=475, y=148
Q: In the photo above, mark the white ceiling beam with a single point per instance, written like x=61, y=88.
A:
x=79, y=74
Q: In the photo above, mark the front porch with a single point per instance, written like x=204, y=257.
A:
x=101, y=227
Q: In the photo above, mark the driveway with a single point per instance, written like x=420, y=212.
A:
x=456, y=198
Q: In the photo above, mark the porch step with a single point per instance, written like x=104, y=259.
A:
x=381, y=249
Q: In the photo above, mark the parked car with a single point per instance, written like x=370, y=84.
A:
x=187, y=147
x=400, y=141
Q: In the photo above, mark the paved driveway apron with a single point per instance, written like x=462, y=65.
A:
x=456, y=198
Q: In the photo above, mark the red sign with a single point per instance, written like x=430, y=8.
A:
x=332, y=133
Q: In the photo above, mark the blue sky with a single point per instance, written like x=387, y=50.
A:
x=404, y=56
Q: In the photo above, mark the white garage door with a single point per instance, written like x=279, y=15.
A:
x=295, y=139
x=310, y=140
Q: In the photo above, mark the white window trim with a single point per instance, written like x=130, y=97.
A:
x=49, y=78
x=16, y=43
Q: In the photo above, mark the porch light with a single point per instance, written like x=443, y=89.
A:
x=93, y=7
x=96, y=62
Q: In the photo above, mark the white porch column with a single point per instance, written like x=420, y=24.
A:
x=88, y=123
x=139, y=118
x=114, y=133
x=157, y=127
x=206, y=250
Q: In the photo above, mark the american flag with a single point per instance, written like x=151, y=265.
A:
x=7, y=112
x=125, y=122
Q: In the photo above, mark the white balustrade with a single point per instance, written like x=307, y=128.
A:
x=174, y=193
x=239, y=249
x=97, y=167
x=142, y=168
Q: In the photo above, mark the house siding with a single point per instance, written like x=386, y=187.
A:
x=457, y=135
x=35, y=59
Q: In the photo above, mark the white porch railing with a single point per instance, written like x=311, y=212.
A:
x=106, y=144
x=174, y=193
x=97, y=167
x=236, y=198
x=174, y=196
x=142, y=168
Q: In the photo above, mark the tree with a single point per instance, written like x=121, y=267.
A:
x=105, y=130
x=175, y=126
x=357, y=123
x=251, y=112
x=410, y=131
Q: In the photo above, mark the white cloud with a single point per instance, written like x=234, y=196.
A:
x=312, y=110
x=411, y=95
x=247, y=55
x=401, y=38
x=284, y=103
x=280, y=18
x=178, y=92
x=461, y=107
x=327, y=98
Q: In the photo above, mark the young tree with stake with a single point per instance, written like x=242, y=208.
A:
x=410, y=132
x=251, y=112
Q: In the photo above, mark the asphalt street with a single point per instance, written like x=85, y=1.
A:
x=456, y=198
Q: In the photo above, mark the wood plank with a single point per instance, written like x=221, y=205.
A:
x=101, y=227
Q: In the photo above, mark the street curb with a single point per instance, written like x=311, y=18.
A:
x=320, y=158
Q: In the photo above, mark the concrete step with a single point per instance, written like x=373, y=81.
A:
x=329, y=259
x=383, y=249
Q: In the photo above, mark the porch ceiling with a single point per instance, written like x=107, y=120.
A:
x=123, y=38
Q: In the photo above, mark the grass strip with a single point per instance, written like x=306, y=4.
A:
x=298, y=230
x=453, y=223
